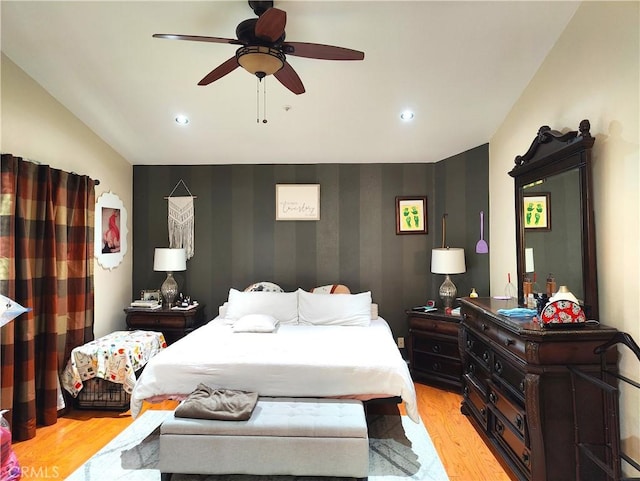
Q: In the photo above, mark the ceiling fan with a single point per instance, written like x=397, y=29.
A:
x=263, y=48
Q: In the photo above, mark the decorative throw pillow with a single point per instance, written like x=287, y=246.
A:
x=255, y=323
x=343, y=310
x=264, y=287
x=331, y=289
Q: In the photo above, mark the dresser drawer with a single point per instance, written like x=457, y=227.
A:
x=510, y=411
x=476, y=401
x=436, y=345
x=511, y=441
x=478, y=349
x=509, y=341
x=437, y=365
x=477, y=372
x=502, y=337
x=418, y=324
x=508, y=375
x=150, y=321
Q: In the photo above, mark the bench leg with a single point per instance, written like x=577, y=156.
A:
x=165, y=476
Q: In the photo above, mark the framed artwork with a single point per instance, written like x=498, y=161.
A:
x=110, y=238
x=411, y=215
x=297, y=201
x=537, y=211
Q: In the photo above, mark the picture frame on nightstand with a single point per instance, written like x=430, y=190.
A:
x=151, y=295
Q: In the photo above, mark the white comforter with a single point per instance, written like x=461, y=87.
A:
x=296, y=361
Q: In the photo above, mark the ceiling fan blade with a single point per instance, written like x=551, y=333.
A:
x=197, y=38
x=289, y=78
x=322, y=52
x=220, y=71
x=271, y=24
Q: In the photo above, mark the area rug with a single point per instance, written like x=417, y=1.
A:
x=399, y=449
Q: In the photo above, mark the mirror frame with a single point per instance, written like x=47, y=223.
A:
x=552, y=153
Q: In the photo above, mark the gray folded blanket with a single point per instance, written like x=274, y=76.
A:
x=225, y=404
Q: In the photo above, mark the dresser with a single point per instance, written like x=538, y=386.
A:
x=173, y=323
x=519, y=395
x=434, y=355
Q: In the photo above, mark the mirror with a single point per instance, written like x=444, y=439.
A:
x=555, y=231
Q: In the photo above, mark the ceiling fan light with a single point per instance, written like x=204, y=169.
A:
x=260, y=60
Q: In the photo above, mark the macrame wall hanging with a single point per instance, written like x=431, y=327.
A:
x=181, y=220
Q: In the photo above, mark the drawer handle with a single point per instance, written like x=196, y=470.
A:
x=499, y=427
x=525, y=458
x=485, y=356
x=521, y=385
x=436, y=348
x=465, y=392
x=470, y=343
x=493, y=398
x=483, y=413
x=519, y=422
x=484, y=327
x=498, y=367
x=509, y=342
x=436, y=366
x=471, y=368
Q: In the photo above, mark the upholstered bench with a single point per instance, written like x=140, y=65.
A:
x=284, y=436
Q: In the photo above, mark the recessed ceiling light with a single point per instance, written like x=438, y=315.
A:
x=407, y=115
x=182, y=119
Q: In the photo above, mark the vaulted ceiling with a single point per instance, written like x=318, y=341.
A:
x=459, y=65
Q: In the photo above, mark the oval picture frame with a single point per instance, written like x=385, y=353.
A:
x=110, y=239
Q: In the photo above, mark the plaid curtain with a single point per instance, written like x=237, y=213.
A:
x=46, y=263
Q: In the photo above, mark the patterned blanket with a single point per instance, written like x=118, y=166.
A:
x=115, y=357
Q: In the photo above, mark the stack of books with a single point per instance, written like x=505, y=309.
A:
x=139, y=303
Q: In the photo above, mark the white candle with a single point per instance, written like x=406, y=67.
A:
x=528, y=259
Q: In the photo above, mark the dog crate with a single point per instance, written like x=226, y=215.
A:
x=102, y=394
x=98, y=372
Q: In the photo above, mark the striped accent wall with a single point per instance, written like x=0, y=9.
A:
x=239, y=242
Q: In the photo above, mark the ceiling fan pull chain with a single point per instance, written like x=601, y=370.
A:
x=264, y=98
x=257, y=100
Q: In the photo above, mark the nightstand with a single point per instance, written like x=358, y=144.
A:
x=434, y=355
x=173, y=323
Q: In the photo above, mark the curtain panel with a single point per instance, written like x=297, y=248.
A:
x=46, y=263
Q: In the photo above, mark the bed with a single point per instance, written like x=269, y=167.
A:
x=285, y=344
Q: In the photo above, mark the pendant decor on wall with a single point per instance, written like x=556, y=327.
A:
x=110, y=241
x=181, y=221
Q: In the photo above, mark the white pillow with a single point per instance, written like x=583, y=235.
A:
x=334, y=310
x=255, y=323
x=281, y=305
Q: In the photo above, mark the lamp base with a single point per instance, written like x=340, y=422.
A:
x=448, y=292
x=169, y=290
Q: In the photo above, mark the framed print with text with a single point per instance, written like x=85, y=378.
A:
x=297, y=201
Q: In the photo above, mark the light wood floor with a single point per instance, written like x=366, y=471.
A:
x=58, y=450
